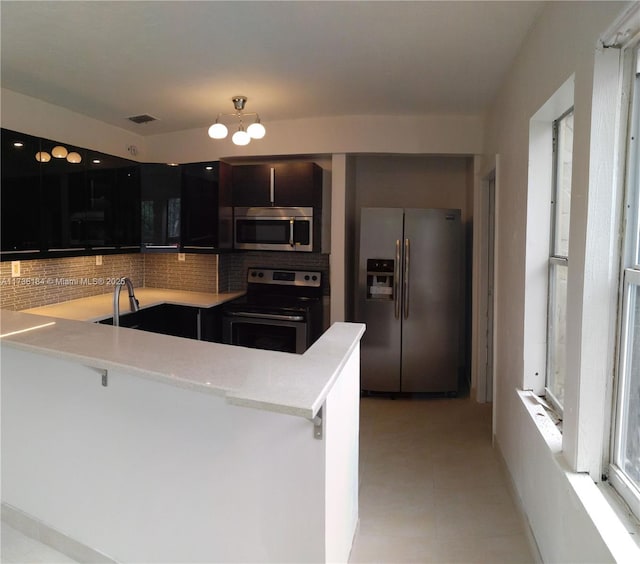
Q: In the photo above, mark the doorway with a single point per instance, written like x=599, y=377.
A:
x=487, y=290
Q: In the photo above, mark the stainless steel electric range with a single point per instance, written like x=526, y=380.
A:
x=281, y=311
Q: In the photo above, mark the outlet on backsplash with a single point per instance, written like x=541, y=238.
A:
x=98, y=260
x=15, y=268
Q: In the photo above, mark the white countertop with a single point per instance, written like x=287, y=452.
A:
x=96, y=308
x=270, y=380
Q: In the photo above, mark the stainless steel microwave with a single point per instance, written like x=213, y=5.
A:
x=273, y=229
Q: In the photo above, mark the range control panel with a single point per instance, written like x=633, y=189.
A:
x=284, y=277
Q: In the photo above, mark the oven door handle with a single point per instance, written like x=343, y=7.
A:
x=274, y=316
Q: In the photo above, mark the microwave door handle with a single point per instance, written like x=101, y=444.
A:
x=291, y=241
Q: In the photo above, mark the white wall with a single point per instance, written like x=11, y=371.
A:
x=430, y=134
x=142, y=471
x=562, y=43
x=347, y=134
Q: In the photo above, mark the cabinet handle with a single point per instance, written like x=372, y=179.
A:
x=396, y=281
x=406, y=277
x=272, y=186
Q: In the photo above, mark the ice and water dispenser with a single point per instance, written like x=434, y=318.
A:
x=380, y=274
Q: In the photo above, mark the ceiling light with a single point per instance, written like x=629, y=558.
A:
x=243, y=136
x=74, y=158
x=59, y=152
x=218, y=130
x=256, y=130
x=43, y=157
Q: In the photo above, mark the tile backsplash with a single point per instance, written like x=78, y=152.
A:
x=47, y=281
x=197, y=273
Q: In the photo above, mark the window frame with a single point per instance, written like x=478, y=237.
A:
x=555, y=260
x=625, y=486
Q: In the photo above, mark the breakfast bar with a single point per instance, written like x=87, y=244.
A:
x=144, y=447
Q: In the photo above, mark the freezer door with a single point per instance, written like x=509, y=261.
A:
x=432, y=300
x=380, y=238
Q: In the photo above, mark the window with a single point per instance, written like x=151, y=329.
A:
x=559, y=258
x=625, y=468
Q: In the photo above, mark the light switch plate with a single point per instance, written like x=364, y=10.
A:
x=15, y=268
x=181, y=257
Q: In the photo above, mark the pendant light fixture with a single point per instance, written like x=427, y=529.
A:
x=242, y=136
x=59, y=152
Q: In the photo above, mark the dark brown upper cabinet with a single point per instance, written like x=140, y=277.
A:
x=290, y=184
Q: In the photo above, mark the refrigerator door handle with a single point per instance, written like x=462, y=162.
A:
x=396, y=280
x=405, y=280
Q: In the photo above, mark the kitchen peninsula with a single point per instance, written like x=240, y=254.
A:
x=151, y=448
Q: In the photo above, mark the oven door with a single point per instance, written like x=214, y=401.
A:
x=275, y=332
x=274, y=229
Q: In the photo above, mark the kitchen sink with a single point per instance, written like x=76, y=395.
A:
x=176, y=320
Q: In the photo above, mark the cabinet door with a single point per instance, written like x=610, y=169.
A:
x=200, y=206
x=298, y=184
x=20, y=192
x=291, y=184
x=211, y=324
x=97, y=202
x=160, y=205
x=111, y=203
x=251, y=185
x=65, y=199
x=127, y=217
x=170, y=319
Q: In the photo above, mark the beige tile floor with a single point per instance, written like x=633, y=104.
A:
x=432, y=488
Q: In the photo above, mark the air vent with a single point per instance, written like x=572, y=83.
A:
x=142, y=118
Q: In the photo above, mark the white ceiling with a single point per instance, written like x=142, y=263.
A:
x=182, y=61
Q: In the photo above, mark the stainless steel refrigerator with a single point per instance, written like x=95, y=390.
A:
x=410, y=297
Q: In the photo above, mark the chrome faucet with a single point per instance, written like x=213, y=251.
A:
x=134, y=304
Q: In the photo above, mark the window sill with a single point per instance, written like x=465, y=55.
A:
x=619, y=507
x=543, y=421
x=596, y=502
